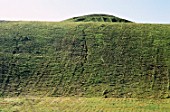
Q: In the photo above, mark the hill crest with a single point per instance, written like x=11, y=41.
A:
x=97, y=18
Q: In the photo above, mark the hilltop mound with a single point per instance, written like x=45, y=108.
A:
x=97, y=18
x=84, y=59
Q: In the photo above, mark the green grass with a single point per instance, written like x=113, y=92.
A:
x=84, y=59
x=79, y=104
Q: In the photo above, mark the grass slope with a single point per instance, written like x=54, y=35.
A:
x=84, y=59
x=96, y=18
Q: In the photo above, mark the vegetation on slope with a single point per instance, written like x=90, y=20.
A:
x=97, y=18
x=84, y=59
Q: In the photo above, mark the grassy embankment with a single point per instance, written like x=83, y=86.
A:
x=84, y=59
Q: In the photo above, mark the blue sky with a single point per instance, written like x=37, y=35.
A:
x=140, y=11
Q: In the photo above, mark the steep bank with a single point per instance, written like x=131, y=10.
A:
x=84, y=59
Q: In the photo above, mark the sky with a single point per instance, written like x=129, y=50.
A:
x=139, y=11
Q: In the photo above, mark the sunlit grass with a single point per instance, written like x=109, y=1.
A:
x=79, y=104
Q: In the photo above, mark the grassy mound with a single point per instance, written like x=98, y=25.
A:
x=84, y=59
x=97, y=18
